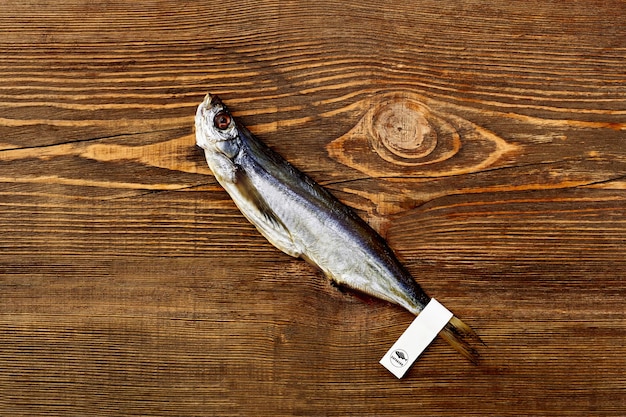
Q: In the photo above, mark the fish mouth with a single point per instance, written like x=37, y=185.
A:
x=213, y=100
x=204, y=120
x=210, y=101
x=201, y=119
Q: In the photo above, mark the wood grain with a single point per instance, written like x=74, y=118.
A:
x=486, y=141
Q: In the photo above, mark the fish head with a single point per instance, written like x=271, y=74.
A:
x=215, y=126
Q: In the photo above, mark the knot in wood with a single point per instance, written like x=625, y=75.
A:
x=405, y=134
x=404, y=128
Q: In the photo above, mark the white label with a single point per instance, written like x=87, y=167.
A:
x=416, y=338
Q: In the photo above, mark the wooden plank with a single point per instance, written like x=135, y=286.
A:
x=484, y=141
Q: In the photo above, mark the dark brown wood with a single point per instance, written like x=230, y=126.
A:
x=485, y=140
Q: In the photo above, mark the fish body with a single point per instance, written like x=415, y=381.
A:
x=304, y=220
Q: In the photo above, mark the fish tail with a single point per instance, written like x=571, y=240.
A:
x=463, y=339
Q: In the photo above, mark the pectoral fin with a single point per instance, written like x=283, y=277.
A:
x=256, y=209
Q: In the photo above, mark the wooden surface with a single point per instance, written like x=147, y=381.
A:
x=485, y=140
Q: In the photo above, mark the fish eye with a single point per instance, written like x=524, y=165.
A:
x=221, y=120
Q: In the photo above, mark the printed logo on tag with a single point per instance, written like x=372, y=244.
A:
x=399, y=358
x=416, y=338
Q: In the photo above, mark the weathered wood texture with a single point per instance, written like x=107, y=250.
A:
x=485, y=140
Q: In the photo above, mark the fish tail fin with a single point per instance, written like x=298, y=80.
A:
x=463, y=339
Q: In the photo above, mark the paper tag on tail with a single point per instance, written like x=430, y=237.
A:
x=416, y=338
